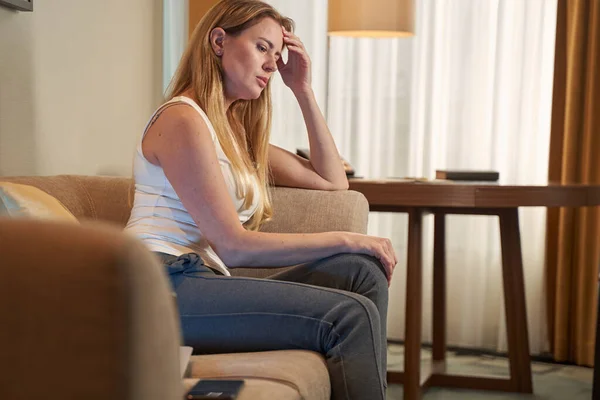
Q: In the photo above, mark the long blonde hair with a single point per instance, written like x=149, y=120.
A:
x=243, y=130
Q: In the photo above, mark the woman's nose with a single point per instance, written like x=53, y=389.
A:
x=270, y=65
x=270, y=68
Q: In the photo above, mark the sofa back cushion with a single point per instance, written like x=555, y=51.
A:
x=86, y=197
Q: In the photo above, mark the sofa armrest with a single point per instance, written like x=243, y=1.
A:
x=310, y=211
x=307, y=211
x=86, y=312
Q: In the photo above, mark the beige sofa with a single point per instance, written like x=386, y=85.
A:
x=87, y=312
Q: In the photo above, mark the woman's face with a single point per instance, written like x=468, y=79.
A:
x=249, y=59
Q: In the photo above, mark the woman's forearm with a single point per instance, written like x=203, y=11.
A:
x=324, y=155
x=250, y=248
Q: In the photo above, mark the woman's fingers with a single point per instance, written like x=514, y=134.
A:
x=295, y=42
x=280, y=63
x=390, y=259
x=390, y=247
x=300, y=51
x=386, y=260
x=296, y=49
x=290, y=36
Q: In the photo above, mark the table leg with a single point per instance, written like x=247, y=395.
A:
x=596, y=381
x=414, y=293
x=514, y=300
x=439, y=288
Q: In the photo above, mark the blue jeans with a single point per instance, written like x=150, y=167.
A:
x=336, y=306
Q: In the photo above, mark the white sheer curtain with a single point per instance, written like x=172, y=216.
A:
x=288, y=130
x=175, y=36
x=472, y=90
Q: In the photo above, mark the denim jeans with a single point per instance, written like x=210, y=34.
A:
x=336, y=306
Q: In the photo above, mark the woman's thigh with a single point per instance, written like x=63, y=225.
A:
x=355, y=273
x=236, y=314
x=344, y=271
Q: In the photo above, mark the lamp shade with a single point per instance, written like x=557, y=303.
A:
x=371, y=18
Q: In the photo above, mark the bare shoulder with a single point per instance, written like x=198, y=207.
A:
x=175, y=125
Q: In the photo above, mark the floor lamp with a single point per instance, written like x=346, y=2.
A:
x=369, y=19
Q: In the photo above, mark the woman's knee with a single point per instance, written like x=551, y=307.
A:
x=357, y=312
x=366, y=266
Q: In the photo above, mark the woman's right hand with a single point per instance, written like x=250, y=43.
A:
x=380, y=248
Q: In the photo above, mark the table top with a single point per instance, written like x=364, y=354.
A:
x=389, y=194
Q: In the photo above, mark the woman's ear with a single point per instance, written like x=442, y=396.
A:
x=217, y=37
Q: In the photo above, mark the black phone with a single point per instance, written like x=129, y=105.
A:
x=212, y=389
x=305, y=153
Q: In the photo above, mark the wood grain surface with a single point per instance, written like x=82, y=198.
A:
x=394, y=195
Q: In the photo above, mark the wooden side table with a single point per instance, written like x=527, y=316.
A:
x=443, y=198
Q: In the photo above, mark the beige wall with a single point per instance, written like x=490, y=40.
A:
x=78, y=81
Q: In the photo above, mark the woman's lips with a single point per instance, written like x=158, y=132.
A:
x=262, y=81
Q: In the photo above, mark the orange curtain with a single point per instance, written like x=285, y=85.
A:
x=573, y=235
x=196, y=10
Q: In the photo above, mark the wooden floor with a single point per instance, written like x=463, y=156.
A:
x=550, y=381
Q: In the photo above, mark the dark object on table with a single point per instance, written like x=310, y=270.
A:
x=467, y=175
x=215, y=389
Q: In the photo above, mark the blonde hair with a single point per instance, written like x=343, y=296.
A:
x=243, y=131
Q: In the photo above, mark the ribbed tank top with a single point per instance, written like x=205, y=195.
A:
x=159, y=219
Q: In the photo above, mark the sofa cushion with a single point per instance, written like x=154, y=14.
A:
x=24, y=201
x=304, y=371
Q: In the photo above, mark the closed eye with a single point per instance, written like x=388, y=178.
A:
x=277, y=53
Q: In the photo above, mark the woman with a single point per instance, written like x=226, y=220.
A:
x=202, y=170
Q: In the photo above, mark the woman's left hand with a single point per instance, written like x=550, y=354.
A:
x=295, y=72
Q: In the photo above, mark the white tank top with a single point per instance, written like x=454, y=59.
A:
x=158, y=217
